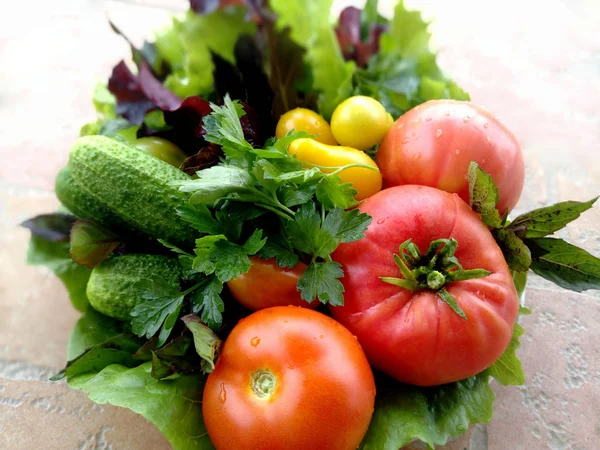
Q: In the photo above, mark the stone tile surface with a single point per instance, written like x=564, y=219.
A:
x=535, y=64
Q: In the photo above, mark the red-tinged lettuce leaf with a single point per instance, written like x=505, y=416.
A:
x=155, y=91
x=349, y=34
x=207, y=157
x=174, y=406
x=132, y=102
x=433, y=415
x=91, y=243
x=51, y=227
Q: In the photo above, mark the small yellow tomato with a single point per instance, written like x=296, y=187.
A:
x=366, y=181
x=359, y=122
x=302, y=119
x=161, y=149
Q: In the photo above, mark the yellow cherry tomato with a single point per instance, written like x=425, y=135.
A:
x=366, y=181
x=359, y=122
x=302, y=119
x=161, y=149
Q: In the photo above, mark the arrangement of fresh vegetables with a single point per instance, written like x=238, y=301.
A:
x=263, y=156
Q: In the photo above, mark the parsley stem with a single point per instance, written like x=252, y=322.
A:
x=194, y=287
x=276, y=211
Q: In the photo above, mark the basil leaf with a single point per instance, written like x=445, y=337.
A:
x=515, y=252
x=91, y=243
x=564, y=264
x=545, y=221
x=483, y=196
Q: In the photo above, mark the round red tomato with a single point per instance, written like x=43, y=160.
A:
x=289, y=378
x=411, y=332
x=433, y=144
x=266, y=284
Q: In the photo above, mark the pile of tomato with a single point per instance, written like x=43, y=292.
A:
x=289, y=377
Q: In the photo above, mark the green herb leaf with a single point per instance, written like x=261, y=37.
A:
x=516, y=253
x=174, y=406
x=207, y=343
x=160, y=308
x=91, y=243
x=508, y=369
x=55, y=256
x=255, y=242
x=161, y=369
x=332, y=193
x=279, y=248
x=199, y=217
x=520, y=281
x=545, y=221
x=483, y=196
x=205, y=247
x=564, y=264
x=432, y=414
x=118, y=349
x=92, y=328
x=320, y=280
x=310, y=28
x=347, y=226
x=208, y=300
x=217, y=182
x=223, y=127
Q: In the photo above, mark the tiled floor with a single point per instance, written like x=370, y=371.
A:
x=536, y=64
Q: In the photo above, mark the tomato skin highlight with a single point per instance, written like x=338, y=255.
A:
x=324, y=390
x=433, y=144
x=266, y=285
x=415, y=336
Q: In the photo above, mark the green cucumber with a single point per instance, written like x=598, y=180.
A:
x=110, y=287
x=82, y=204
x=137, y=187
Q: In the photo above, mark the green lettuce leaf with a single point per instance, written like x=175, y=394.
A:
x=173, y=406
x=434, y=414
x=312, y=29
x=507, y=369
x=92, y=328
x=405, y=73
x=55, y=256
x=186, y=46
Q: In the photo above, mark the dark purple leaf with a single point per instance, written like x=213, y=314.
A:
x=188, y=130
x=228, y=79
x=155, y=91
x=207, y=157
x=251, y=126
x=51, y=227
x=132, y=103
x=348, y=33
x=91, y=243
x=204, y=6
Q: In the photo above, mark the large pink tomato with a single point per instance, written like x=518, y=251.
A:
x=433, y=144
x=444, y=307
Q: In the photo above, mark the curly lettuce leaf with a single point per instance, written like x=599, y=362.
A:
x=434, y=414
x=92, y=328
x=55, y=256
x=173, y=406
x=311, y=28
x=186, y=46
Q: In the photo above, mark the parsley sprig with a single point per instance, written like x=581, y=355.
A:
x=263, y=201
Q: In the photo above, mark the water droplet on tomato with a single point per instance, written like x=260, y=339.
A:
x=414, y=134
x=405, y=140
x=416, y=156
x=255, y=341
x=291, y=366
x=322, y=335
x=428, y=119
x=401, y=125
x=485, y=125
x=222, y=393
x=438, y=133
x=457, y=151
x=489, y=139
x=381, y=221
x=417, y=120
x=447, y=113
x=466, y=119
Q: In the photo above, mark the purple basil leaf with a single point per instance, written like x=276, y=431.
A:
x=228, y=79
x=348, y=32
x=51, y=227
x=188, y=130
x=207, y=157
x=132, y=103
x=91, y=243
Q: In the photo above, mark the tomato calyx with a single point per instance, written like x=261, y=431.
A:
x=263, y=383
x=433, y=270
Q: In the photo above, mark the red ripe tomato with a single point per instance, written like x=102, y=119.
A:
x=414, y=335
x=266, y=284
x=289, y=378
x=433, y=144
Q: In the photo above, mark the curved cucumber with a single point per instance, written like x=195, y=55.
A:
x=110, y=287
x=134, y=185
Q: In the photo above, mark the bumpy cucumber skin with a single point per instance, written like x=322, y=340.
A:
x=134, y=185
x=110, y=287
x=82, y=204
